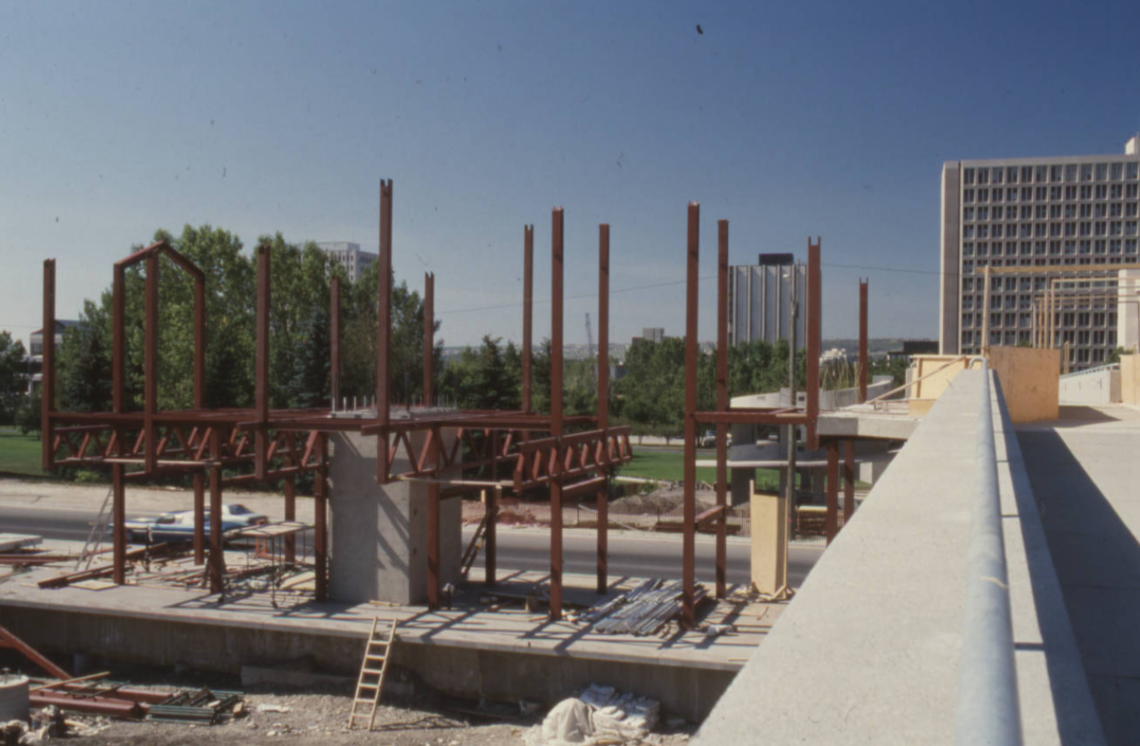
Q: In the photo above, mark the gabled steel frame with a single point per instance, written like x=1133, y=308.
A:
x=270, y=444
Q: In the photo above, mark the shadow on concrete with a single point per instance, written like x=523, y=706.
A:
x=1072, y=415
x=1097, y=562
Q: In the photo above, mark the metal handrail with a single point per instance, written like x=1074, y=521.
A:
x=988, y=710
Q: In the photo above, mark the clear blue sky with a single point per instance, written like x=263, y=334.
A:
x=788, y=119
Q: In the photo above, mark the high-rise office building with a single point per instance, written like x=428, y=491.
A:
x=349, y=256
x=1065, y=222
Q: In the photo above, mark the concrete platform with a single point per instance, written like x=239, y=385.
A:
x=468, y=651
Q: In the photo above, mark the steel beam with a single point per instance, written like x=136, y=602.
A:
x=864, y=371
x=150, y=362
x=429, y=334
x=119, y=341
x=118, y=529
x=261, y=377
x=433, y=563
x=528, y=307
x=384, y=329
x=848, y=480
x=689, y=512
x=602, y=502
x=556, y=270
x=334, y=341
x=722, y=406
x=47, y=381
x=831, y=522
x=815, y=325
x=291, y=511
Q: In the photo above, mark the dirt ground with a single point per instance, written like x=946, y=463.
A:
x=314, y=719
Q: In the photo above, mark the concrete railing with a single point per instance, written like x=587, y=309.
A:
x=1100, y=385
x=988, y=709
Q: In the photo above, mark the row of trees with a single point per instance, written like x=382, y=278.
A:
x=649, y=396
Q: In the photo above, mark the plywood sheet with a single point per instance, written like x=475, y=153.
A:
x=1030, y=381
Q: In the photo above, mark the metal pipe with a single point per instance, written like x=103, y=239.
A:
x=815, y=326
x=217, y=555
x=864, y=372
x=47, y=378
x=199, y=342
x=384, y=329
x=320, y=521
x=556, y=271
x=988, y=710
x=831, y=520
x=261, y=378
x=603, y=398
x=199, y=516
x=490, y=557
x=848, y=480
x=429, y=335
x=150, y=363
x=689, y=511
x=722, y=405
x=528, y=307
x=334, y=341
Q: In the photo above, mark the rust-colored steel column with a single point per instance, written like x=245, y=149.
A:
x=815, y=325
x=722, y=406
x=217, y=554
x=556, y=269
x=118, y=530
x=848, y=480
x=199, y=517
x=433, y=564
x=150, y=362
x=603, y=400
x=429, y=334
x=119, y=401
x=689, y=511
x=320, y=522
x=490, y=557
x=334, y=341
x=261, y=372
x=864, y=371
x=291, y=501
x=384, y=329
x=831, y=522
x=47, y=381
x=528, y=308
x=199, y=342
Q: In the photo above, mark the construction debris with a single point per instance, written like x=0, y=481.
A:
x=204, y=707
x=641, y=611
x=600, y=715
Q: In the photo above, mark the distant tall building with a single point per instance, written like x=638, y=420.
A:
x=760, y=300
x=1070, y=214
x=349, y=256
x=653, y=334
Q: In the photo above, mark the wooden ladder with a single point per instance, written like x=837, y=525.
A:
x=371, y=681
x=472, y=551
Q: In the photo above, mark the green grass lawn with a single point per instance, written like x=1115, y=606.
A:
x=19, y=454
x=670, y=465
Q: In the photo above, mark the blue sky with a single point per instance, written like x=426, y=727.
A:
x=788, y=119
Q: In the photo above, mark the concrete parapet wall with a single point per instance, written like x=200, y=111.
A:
x=1130, y=379
x=1095, y=386
x=868, y=650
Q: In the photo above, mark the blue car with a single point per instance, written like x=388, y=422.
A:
x=179, y=526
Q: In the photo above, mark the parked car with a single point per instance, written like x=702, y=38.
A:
x=708, y=439
x=179, y=525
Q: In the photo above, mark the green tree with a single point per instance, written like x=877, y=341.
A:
x=85, y=369
x=13, y=376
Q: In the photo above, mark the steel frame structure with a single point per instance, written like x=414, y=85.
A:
x=269, y=444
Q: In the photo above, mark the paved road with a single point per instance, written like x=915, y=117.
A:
x=639, y=555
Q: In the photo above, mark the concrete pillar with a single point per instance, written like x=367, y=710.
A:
x=379, y=533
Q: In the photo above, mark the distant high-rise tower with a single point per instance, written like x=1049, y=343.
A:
x=349, y=256
x=760, y=300
x=1060, y=219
